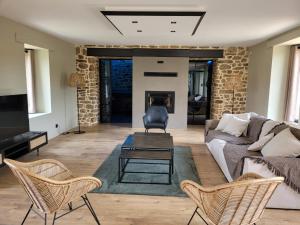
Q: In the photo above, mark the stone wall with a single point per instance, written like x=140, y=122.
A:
x=229, y=73
x=89, y=96
x=229, y=86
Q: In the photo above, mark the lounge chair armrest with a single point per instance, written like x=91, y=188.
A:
x=249, y=176
x=64, y=192
x=48, y=168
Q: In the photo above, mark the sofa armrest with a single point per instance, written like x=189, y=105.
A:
x=210, y=125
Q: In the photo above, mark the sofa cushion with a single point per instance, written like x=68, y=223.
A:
x=258, y=145
x=267, y=127
x=226, y=119
x=236, y=126
x=277, y=129
x=296, y=132
x=283, y=144
x=255, y=127
x=216, y=134
x=234, y=154
x=223, y=121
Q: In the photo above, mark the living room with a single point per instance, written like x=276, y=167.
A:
x=160, y=106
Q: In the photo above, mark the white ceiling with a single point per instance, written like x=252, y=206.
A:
x=226, y=23
x=146, y=24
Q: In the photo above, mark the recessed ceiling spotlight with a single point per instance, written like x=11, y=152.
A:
x=139, y=31
x=173, y=31
x=134, y=21
x=173, y=22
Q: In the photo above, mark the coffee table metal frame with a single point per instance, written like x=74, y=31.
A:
x=129, y=152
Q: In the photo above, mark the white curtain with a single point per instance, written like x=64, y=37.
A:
x=293, y=95
x=30, y=80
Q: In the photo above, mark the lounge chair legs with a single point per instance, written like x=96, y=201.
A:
x=27, y=214
x=88, y=204
x=55, y=217
x=70, y=206
x=194, y=215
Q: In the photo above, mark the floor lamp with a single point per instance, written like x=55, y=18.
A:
x=76, y=80
x=233, y=94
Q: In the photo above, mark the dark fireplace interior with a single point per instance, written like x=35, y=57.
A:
x=160, y=98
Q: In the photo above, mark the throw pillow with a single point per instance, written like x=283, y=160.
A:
x=283, y=144
x=236, y=126
x=267, y=127
x=255, y=127
x=296, y=132
x=258, y=145
x=223, y=122
x=226, y=117
x=278, y=128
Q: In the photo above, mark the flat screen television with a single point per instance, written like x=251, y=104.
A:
x=13, y=116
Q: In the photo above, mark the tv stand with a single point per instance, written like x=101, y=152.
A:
x=22, y=144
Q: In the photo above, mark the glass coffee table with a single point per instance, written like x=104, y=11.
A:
x=147, y=148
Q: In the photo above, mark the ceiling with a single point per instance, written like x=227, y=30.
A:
x=129, y=23
x=226, y=22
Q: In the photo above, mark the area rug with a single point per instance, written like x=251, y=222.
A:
x=184, y=169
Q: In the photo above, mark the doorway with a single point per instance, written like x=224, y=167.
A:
x=199, y=95
x=115, y=90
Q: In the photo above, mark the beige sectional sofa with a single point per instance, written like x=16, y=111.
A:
x=233, y=157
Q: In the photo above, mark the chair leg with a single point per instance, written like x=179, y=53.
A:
x=45, y=218
x=70, y=206
x=88, y=204
x=54, y=218
x=192, y=216
x=27, y=214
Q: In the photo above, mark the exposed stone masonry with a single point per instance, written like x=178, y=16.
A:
x=89, y=93
x=229, y=73
x=230, y=78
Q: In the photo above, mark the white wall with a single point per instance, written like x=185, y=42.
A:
x=13, y=36
x=260, y=70
x=178, y=84
x=258, y=79
x=278, y=84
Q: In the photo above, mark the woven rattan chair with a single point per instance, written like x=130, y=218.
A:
x=51, y=187
x=241, y=202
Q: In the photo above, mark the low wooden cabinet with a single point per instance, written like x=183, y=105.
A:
x=22, y=144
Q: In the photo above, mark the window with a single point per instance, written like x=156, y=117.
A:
x=30, y=80
x=37, y=79
x=293, y=97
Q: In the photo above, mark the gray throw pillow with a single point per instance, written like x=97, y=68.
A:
x=255, y=126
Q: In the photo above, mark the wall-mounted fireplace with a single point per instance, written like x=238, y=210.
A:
x=160, y=98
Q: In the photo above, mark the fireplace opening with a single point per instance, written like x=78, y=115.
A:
x=160, y=98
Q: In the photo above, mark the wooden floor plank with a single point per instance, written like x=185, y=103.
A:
x=85, y=152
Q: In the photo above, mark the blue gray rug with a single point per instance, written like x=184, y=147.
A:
x=184, y=168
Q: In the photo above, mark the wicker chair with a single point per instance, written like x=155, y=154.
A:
x=237, y=203
x=51, y=187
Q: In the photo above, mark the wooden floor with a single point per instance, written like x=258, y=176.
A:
x=84, y=153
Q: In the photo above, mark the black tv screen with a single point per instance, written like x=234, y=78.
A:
x=13, y=116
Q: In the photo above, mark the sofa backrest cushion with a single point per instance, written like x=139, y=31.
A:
x=255, y=127
x=277, y=129
x=267, y=127
x=296, y=132
x=283, y=144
